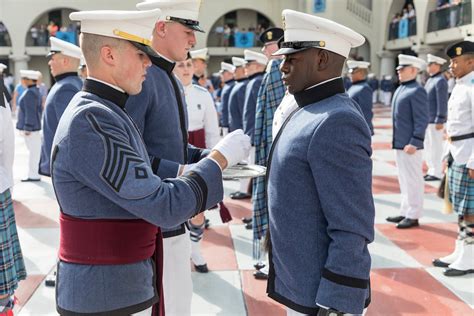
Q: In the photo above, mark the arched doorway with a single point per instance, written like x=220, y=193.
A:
x=362, y=52
x=238, y=28
x=56, y=23
x=5, y=40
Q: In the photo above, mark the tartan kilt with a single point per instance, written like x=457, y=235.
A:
x=12, y=266
x=461, y=189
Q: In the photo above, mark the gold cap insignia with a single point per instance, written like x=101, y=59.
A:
x=322, y=43
x=269, y=36
x=458, y=51
x=131, y=37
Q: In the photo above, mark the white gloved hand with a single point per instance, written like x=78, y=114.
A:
x=234, y=147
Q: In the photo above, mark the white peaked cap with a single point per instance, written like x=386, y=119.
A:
x=435, y=59
x=227, y=67
x=408, y=60
x=133, y=26
x=199, y=53
x=183, y=11
x=250, y=55
x=304, y=31
x=352, y=64
x=238, y=62
x=30, y=74
x=2, y=67
x=65, y=48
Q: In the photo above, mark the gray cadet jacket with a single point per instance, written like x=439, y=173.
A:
x=321, y=210
x=409, y=115
x=437, y=89
x=361, y=93
x=160, y=113
x=101, y=170
x=66, y=86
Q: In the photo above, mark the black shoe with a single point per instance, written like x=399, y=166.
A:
x=440, y=264
x=454, y=272
x=408, y=223
x=259, y=265
x=246, y=220
x=259, y=275
x=207, y=223
x=201, y=268
x=30, y=180
x=234, y=193
x=431, y=178
x=240, y=196
x=50, y=280
x=248, y=226
x=395, y=219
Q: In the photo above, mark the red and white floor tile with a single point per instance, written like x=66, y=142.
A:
x=403, y=280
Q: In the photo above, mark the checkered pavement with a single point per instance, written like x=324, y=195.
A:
x=403, y=280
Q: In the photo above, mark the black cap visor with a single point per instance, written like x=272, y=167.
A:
x=191, y=24
x=287, y=48
x=145, y=48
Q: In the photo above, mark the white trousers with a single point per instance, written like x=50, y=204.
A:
x=434, y=150
x=374, y=96
x=387, y=98
x=410, y=177
x=33, y=144
x=244, y=183
x=177, y=282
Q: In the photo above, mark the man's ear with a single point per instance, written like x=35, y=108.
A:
x=324, y=59
x=160, y=29
x=107, y=55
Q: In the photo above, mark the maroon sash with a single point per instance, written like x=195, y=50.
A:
x=112, y=241
x=197, y=138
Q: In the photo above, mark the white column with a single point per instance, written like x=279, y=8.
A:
x=20, y=62
x=387, y=63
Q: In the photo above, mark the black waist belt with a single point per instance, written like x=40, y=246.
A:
x=460, y=137
x=173, y=233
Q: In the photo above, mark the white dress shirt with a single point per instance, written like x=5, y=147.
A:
x=287, y=106
x=202, y=113
x=461, y=120
x=7, y=147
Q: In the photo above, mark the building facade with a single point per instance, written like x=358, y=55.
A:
x=233, y=25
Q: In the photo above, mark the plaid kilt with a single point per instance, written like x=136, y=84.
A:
x=12, y=267
x=461, y=189
x=270, y=94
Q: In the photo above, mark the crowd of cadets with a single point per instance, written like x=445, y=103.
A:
x=251, y=97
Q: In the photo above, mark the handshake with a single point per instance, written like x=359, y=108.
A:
x=234, y=147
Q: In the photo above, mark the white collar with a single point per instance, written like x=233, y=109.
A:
x=106, y=83
x=467, y=78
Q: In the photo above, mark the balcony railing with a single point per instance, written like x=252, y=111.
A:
x=402, y=28
x=451, y=16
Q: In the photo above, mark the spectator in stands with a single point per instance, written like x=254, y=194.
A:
x=411, y=11
x=227, y=32
x=34, y=35
x=52, y=28
x=43, y=35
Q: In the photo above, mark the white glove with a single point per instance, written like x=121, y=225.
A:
x=234, y=147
